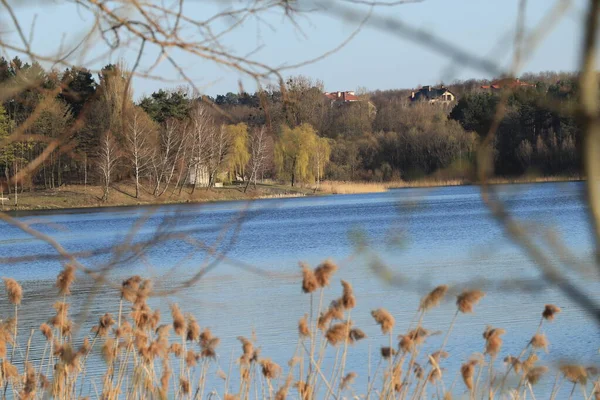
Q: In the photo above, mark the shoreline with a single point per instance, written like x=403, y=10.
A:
x=77, y=193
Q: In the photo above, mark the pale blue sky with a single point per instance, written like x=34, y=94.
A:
x=373, y=59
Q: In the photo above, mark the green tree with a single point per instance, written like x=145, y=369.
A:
x=475, y=112
x=27, y=81
x=7, y=151
x=52, y=122
x=4, y=123
x=163, y=105
x=78, y=88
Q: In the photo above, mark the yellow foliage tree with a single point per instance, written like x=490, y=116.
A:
x=295, y=154
x=321, y=155
x=238, y=153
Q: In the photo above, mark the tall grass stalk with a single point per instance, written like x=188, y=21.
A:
x=143, y=358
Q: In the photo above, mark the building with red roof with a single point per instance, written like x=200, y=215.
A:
x=342, y=97
x=506, y=83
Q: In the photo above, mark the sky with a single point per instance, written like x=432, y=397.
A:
x=375, y=58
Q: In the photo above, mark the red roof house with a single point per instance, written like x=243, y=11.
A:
x=342, y=97
x=506, y=83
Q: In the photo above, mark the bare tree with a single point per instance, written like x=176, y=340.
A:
x=202, y=127
x=218, y=147
x=108, y=159
x=258, y=154
x=139, y=151
x=171, y=148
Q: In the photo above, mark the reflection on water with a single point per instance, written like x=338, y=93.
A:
x=446, y=236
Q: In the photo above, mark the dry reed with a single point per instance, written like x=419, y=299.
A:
x=534, y=374
x=493, y=341
x=348, y=300
x=334, y=187
x=574, y=373
x=467, y=371
x=433, y=298
x=13, y=291
x=65, y=279
x=270, y=370
x=193, y=329
x=140, y=355
x=468, y=299
x=348, y=380
x=282, y=392
x=303, y=329
x=550, y=310
x=309, y=281
x=179, y=323
x=324, y=272
x=384, y=319
x=539, y=341
x=356, y=334
x=338, y=333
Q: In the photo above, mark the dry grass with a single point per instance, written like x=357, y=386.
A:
x=436, y=182
x=335, y=187
x=148, y=356
x=339, y=187
x=426, y=182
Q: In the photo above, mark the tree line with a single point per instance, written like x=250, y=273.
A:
x=72, y=127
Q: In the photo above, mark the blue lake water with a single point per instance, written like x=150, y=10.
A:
x=427, y=236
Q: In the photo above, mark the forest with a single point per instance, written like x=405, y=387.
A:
x=79, y=128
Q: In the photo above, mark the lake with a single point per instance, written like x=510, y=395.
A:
x=427, y=236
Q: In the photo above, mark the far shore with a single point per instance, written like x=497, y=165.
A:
x=70, y=197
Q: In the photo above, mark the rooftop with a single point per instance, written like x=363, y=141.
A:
x=342, y=96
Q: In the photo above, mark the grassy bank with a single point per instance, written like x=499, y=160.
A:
x=123, y=194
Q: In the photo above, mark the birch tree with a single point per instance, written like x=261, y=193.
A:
x=201, y=128
x=167, y=156
x=258, y=154
x=108, y=158
x=218, y=147
x=321, y=156
x=140, y=140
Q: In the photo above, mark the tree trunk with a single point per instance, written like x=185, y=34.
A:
x=318, y=171
x=250, y=180
x=106, y=187
x=59, y=173
x=187, y=174
x=7, y=175
x=52, y=170
x=45, y=176
x=137, y=182
x=16, y=186
x=195, y=178
x=85, y=172
x=293, y=171
x=179, y=182
x=157, y=186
